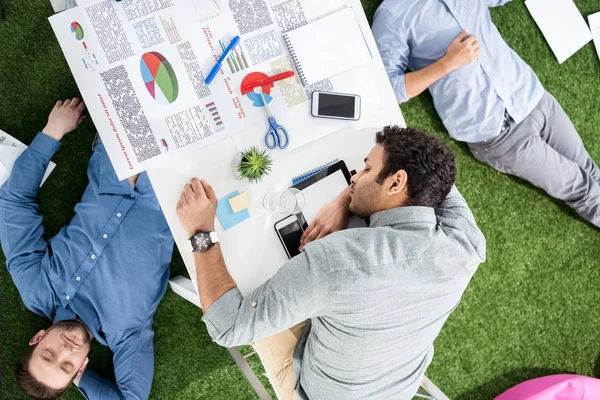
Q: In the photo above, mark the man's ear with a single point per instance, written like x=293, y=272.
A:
x=83, y=366
x=397, y=182
x=37, y=338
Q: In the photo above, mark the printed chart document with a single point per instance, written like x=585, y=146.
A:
x=594, y=21
x=562, y=25
x=140, y=67
x=10, y=150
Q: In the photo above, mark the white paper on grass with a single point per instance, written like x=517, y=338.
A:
x=562, y=25
x=594, y=21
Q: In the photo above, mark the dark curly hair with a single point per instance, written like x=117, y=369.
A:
x=428, y=162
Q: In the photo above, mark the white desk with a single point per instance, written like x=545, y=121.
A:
x=251, y=249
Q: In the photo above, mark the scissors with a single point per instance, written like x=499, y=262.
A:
x=277, y=136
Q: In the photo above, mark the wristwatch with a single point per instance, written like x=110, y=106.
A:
x=201, y=241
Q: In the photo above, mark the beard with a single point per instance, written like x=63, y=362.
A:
x=73, y=325
x=364, y=200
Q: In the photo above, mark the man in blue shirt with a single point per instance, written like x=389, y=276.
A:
x=101, y=277
x=486, y=95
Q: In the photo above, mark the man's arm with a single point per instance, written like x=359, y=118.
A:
x=394, y=50
x=293, y=295
x=496, y=3
x=455, y=217
x=21, y=228
x=463, y=50
x=333, y=217
x=197, y=210
x=133, y=360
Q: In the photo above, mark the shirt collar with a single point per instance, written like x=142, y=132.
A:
x=403, y=215
x=110, y=184
x=62, y=314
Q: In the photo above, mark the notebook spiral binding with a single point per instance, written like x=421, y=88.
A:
x=308, y=174
x=295, y=60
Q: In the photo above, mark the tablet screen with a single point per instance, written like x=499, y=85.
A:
x=322, y=192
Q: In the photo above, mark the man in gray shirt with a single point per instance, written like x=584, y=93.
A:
x=375, y=298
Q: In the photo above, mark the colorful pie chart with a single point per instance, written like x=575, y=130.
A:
x=159, y=77
x=77, y=30
x=252, y=79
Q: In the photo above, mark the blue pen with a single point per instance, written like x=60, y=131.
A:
x=217, y=67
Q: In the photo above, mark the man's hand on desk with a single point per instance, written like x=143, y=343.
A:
x=197, y=207
x=333, y=217
x=64, y=118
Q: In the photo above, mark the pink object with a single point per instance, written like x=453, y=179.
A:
x=555, y=387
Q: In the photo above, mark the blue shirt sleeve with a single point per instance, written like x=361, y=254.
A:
x=496, y=3
x=21, y=227
x=393, y=46
x=133, y=359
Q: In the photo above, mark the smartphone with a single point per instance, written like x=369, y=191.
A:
x=290, y=231
x=335, y=105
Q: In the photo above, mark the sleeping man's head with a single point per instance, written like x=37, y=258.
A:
x=56, y=356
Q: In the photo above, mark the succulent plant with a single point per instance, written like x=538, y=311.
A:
x=254, y=164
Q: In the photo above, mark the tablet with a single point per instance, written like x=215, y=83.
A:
x=319, y=190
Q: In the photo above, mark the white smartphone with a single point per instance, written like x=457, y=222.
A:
x=290, y=231
x=335, y=105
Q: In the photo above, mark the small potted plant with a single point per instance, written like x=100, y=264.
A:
x=252, y=164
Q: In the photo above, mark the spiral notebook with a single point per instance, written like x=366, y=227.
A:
x=327, y=46
x=308, y=174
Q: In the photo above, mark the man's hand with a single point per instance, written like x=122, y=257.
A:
x=64, y=118
x=462, y=51
x=197, y=207
x=333, y=217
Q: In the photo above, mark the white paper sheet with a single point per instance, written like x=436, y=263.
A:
x=106, y=42
x=322, y=192
x=562, y=25
x=594, y=21
x=10, y=150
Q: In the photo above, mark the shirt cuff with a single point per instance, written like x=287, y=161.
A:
x=222, y=314
x=399, y=88
x=45, y=145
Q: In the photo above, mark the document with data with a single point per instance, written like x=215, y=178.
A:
x=140, y=66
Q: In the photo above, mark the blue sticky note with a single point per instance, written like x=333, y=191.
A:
x=226, y=216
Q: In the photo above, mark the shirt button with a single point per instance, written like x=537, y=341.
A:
x=78, y=278
x=93, y=257
x=133, y=196
x=119, y=215
x=253, y=304
x=105, y=236
x=67, y=297
x=488, y=69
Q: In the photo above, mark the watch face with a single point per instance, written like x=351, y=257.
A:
x=201, y=242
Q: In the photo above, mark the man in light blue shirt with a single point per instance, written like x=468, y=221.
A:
x=486, y=95
x=100, y=277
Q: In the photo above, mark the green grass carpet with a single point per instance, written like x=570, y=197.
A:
x=531, y=310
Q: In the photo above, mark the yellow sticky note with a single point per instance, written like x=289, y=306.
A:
x=239, y=202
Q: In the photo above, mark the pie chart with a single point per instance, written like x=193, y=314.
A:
x=77, y=30
x=252, y=79
x=159, y=77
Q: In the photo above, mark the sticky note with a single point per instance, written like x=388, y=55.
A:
x=225, y=213
x=239, y=202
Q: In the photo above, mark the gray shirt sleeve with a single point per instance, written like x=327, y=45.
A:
x=298, y=291
x=457, y=221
